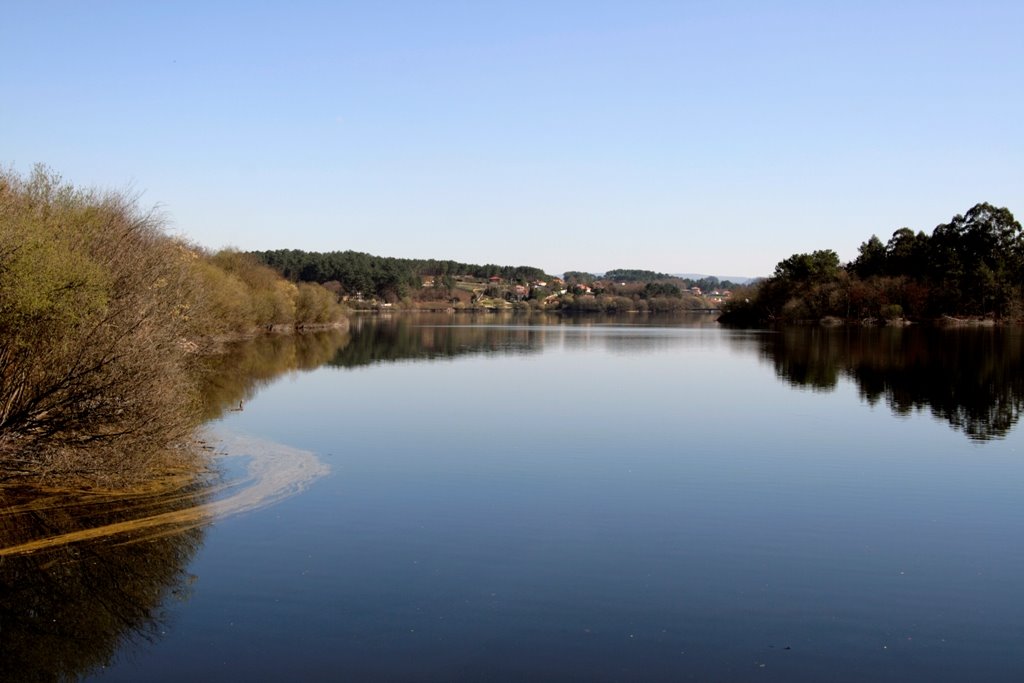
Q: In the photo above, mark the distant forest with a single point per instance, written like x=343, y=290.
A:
x=382, y=276
x=392, y=278
x=632, y=275
x=971, y=266
x=619, y=275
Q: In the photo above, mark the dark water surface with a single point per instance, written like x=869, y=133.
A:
x=601, y=499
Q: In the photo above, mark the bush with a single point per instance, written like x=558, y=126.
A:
x=272, y=297
x=94, y=310
x=315, y=305
x=892, y=311
x=101, y=316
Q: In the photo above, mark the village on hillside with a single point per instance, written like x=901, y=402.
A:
x=553, y=293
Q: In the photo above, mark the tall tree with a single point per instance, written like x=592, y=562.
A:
x=979, y=256
x=871, y=258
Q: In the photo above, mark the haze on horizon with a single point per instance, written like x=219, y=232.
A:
x=713, y=138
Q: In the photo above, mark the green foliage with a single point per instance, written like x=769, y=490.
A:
x=634, y=275
x=907, y=254
x=978, y=260
x=660, y=289
x=814, y=268
x=225, y=297
x=242, y=294
x=871, y=257
x=973, y=265
x=93, y=310
x=387, y=278
x=710, y=284
x=315, y=305
x=578, y=277
x=100, y=317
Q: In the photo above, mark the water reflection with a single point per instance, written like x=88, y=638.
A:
x=234, y=376
x=432, y=336
x=604, y=532
x=67, y=609
x=971, y=378
x=425, y=337
x=84, y=573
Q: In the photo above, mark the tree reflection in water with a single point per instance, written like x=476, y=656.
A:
x=66, y=610
x=973, y=378
x=234, y=376
x=85, y=572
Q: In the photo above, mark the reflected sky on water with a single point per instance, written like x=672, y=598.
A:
x=513, y=499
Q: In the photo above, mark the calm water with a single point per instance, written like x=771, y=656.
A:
x=604, y=499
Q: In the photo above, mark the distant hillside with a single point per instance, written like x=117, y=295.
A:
x=633, y=275
x=383, y=276
x=738, y=279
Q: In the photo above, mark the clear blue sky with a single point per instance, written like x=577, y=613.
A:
x=712, y=137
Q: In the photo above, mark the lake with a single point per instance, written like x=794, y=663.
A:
x=463, y=498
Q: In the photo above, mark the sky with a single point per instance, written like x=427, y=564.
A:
x=682, y=137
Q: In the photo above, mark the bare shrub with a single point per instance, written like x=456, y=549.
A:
x=94, y=311
x=272, y=297
x=316, y=305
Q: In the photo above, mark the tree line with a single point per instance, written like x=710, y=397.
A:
x=384, y=277
x=628, y=276
x=971, y=378
x=635, y=275
x=390, y=279
x=971, y=266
